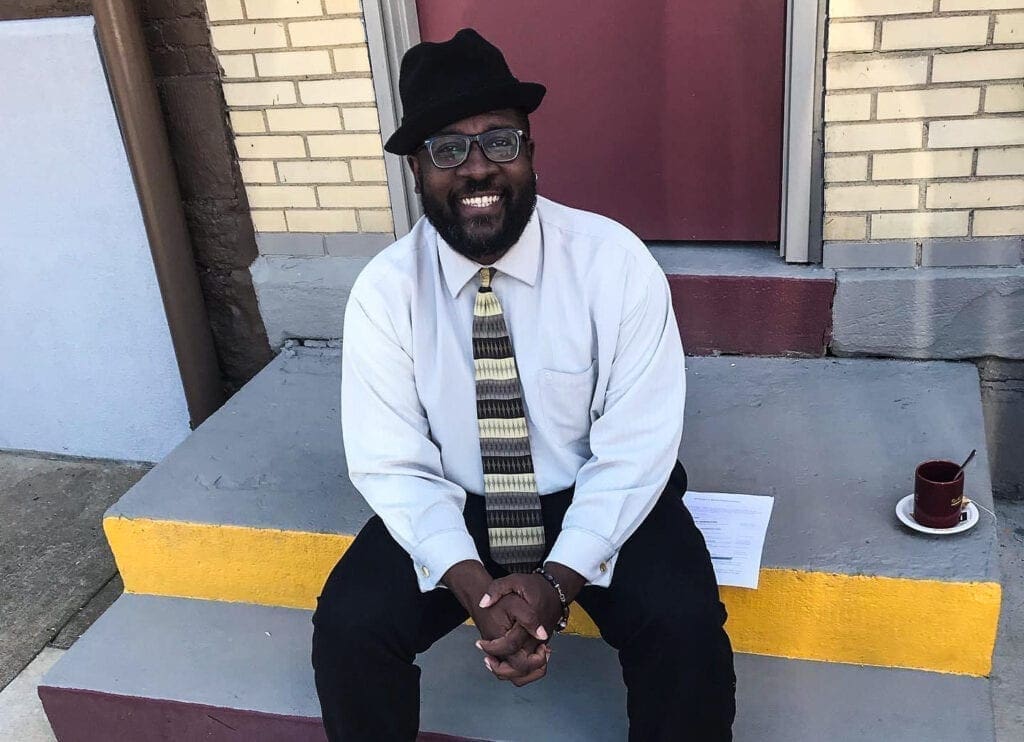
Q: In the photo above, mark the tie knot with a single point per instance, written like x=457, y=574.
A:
x=485, y=277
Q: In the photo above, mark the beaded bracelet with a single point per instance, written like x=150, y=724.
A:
x=564, y=620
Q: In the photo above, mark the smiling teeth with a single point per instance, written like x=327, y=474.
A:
x=480, y=202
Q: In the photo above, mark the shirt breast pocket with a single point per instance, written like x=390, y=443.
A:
x=565, y=398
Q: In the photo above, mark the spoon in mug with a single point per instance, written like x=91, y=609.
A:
x=969, y=459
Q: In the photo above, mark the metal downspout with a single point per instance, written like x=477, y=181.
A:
x=130, y=76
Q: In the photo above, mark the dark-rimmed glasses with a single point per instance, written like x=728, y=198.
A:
x=451, y=150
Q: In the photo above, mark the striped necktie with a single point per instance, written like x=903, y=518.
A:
x=515, y=530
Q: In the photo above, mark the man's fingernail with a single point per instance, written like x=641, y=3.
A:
x=542, y=634
x=485, y=601
x=479, y=645
x=487, y=664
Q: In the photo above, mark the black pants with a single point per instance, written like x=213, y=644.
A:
x=661, y=613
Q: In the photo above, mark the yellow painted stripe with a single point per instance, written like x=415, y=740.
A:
x=232, y=563
x=885, y=621
x=869, y=620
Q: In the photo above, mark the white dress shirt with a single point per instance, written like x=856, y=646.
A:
x=601, y=366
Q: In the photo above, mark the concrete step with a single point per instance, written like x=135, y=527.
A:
x=746, y=301
x=166, y=669
x=728, y=299
x=256, y=505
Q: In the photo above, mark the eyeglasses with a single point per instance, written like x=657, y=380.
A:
x=451, y=150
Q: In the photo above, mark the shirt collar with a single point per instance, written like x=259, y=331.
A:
x=522, y=261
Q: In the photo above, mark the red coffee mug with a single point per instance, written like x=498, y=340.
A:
x=938, y=497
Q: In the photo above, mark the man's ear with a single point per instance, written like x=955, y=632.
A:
x=414, y=165
x=529, y=148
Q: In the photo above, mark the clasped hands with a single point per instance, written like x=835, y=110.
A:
x=515, y=616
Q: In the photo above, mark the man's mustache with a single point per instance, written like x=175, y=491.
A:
x=480, y=186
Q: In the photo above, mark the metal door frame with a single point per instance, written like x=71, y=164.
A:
x=802, y=202
x=392, y=27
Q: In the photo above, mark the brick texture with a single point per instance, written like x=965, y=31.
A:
x=851, y=37
x=871, y=197
x=839, y=169
x=1009, y=28
x=211, y=181
x=934, y=33
x=305, y=171
x=296, y=77
x=987, y=132
x=921, y=104
x=304, y=119
x=953, y=5
x=924, y=121
x=982, y=194
x=998, y=222
x=1004, y=98
x=321, y=220
x=998, y=64
x=1008, y=161
x=867, y=137
x=856, y=107
x=852, y=8
x=920, y=224
x=839, y=227
x=921, y=165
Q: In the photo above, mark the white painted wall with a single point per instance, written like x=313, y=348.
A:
x=86, y=363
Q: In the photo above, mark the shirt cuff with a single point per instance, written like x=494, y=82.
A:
x=585, y=553
x=436, y=554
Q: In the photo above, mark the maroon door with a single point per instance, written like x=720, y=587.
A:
x=666, y=116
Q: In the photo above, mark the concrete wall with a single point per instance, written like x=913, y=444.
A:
x=87, y=366
x=924, y=118
x=202, y=146
x=1002, y=396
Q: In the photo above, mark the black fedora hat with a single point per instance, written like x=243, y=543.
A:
x=443, y=82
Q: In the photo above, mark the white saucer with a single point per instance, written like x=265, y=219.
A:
x=905, y=512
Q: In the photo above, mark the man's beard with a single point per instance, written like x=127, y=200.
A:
x=517, y=212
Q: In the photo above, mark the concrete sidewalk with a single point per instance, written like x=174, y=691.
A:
x=56, y=570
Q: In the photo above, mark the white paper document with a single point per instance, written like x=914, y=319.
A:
x=734, y=527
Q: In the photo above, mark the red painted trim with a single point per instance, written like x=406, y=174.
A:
x=751, y=315
x=90, y=716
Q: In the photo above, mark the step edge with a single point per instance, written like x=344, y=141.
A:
x=227, y=570
x=114, y=522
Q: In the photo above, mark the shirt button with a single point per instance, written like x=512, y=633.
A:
x=604, y=566
x=425, y=571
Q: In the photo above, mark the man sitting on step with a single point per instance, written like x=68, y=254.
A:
x=512, y=407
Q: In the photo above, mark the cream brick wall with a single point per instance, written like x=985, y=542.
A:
x=923, y=119
x=296, y=76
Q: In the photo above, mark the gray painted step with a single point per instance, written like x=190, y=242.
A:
x=835, y=440
x=250, y=664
